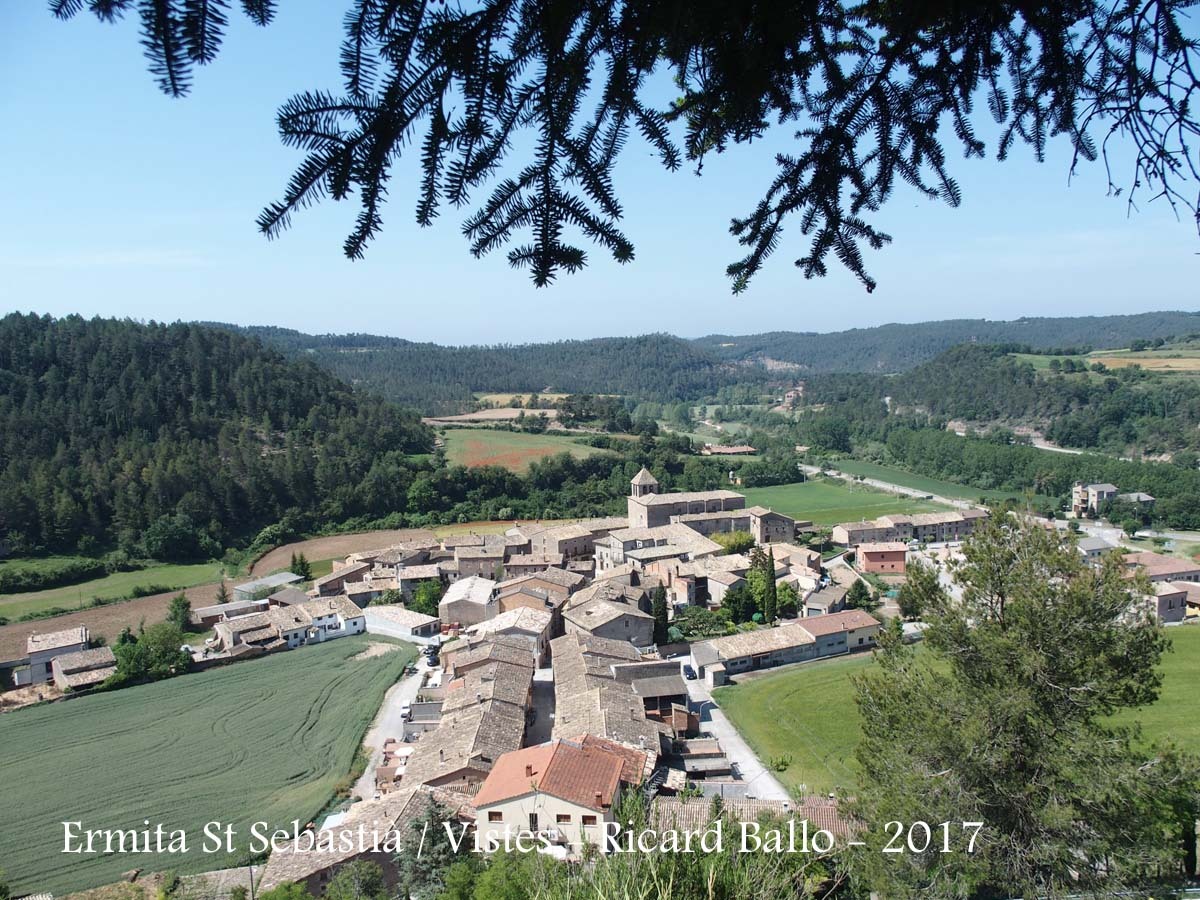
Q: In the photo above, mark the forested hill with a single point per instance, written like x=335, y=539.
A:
x=441, y=379
x=1118, y=411
x=895, y=347
x=120, y=434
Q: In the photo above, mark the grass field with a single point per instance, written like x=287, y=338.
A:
x=922, y=483
x=119, y=584
x=1180, y=359
x=513, y=450
x=808, y=713
x=827, y=502
x=262, y=740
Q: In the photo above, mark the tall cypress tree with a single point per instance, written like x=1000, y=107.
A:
x=659, y=610
x=771, y=597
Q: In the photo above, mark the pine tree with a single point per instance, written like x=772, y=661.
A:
x=872, y=95
x=1016, y=714
x=302, y=567
x=223, y=592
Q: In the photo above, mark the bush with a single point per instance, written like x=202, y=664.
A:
x=16, y=578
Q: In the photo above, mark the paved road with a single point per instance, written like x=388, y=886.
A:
x=762, y=783
x=543, y=707
x=888, y=486
x=388, y=723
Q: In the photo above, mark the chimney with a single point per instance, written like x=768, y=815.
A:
x=529, y=771
x=441, y=755
x=599, y=798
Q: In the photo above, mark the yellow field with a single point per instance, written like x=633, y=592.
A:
x=1154, y=363
x=510, y=399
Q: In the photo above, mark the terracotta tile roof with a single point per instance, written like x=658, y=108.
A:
x=1157, y=565
x=585, y=776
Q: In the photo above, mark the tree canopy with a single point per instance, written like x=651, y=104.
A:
x=535, y=101
x=1006, y=717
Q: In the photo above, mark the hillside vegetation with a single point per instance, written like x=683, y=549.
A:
x=173, y=441
x=660, y=367
x=897, y=347
x=441, y=379
x=1089, y=407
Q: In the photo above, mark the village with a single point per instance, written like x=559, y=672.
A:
x=542, y=696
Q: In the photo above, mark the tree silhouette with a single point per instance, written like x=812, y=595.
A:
x=537, y=100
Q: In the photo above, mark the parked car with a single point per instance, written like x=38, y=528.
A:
x=689, y=673
x=406, y=712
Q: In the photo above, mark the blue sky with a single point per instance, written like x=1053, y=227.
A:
x=117, y=200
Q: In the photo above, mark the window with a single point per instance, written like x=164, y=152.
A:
x=562, y=819
x=589, y=820
x=495, y=817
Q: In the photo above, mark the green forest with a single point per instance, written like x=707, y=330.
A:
x=897, y=347
x=1091, y=408
x=659, y=367
x=439, y=379
x=174, y=441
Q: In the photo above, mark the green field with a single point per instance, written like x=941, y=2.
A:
x=924, y=484
x=828, y=502
x=261, y=740
x=808, y=713
x=119, y=584
x=510, y=449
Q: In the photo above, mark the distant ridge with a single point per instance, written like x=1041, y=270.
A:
x=664, y=368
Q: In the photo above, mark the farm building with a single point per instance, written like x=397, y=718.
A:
x=43, y=648
x=289, y=627
x=812, y=637
x=530, y=563
x=83, y=669
x=469, y=601
x=335, y=582
x=207, y=616
x=1169, y=602
x=1157, y=567
x=260, y=587
x=399, y=622
x=886, y=558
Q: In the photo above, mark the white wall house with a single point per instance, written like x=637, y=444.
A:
x=561, y=793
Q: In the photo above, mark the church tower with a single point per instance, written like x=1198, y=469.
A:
x=643, y=485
